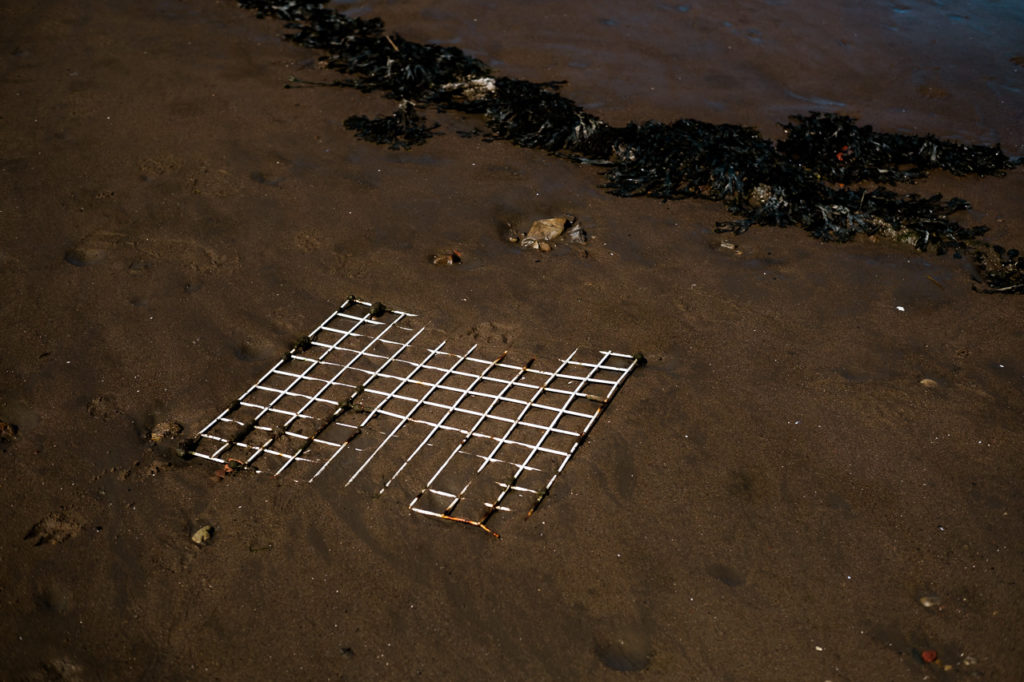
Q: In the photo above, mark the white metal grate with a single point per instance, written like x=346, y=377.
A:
x=371, y=400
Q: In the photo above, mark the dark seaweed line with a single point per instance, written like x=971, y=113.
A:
x=827, y=174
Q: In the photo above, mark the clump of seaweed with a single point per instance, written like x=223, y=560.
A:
x=400, y=130
x=839, y=150
x=814, y=177
x=690, y=159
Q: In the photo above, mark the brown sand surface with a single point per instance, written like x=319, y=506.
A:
x=769, y=499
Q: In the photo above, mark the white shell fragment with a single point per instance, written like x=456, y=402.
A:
x=473, y=89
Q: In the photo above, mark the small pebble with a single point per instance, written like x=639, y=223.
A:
x=929, y=600
x=548, y=228
x=929, y=383
x=165, y=430
x=203, y=535
x=452, y=257
x=929, y=655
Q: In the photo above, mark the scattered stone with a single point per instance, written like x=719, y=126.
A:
x=203, y=536
x=452, y=257
x=575, y=234
x=929, y=601
x=929, y=383
x=543, y=233
x=165, y=431
x=929, y=655
x=547, y=229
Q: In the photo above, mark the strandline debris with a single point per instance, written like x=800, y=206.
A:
x=829, y=175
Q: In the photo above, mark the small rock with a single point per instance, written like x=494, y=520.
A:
x=202, y=536
x=929, y=383
x=929, y=655
x=545, y=231
x=929, y=601
x=165, y=430
x=576, y=234
x=452, y=257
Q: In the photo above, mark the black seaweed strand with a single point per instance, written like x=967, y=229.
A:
x=815, y=177
x=400, y=130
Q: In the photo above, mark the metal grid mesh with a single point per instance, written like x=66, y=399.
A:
x=371, y=401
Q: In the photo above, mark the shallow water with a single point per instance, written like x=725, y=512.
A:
x=918, y=66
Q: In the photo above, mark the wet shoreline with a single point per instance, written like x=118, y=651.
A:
x=818, y=176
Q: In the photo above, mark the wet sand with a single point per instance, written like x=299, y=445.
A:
x=770, y=498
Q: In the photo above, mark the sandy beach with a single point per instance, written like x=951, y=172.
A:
x=816, y=476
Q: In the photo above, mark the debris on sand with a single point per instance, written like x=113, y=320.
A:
x=544, y=233
x=450, y=257
x=400, y=130
x=165, y=431
x=203, y=536
x=545, y=230
x=816, y=177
